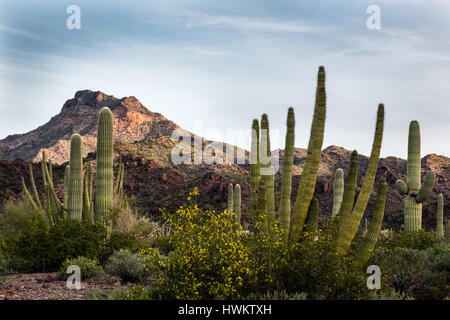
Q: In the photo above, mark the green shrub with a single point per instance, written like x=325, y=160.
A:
x=419, y=240
x=88, y=268
x=44, y=249
x=117, y=241
x=128, y=266
x=5, y=263
x=423, y=274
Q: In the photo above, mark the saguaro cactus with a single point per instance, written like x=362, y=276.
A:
x=105, y=174
x=230, y=202
x=254, y=169
x=286, y=182
x=374, y=227
x=267, y=169
x=237, y=203
x=440, y=218
x=66, y=189
x=75, y=200
x=309, y=176
x=351, y=221
x=338, y=191
x=415, y=193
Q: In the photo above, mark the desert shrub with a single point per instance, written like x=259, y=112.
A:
x=5, y=263
x=88, y=268
x=21, y=218
x=278, y=295
x=128, y=266
x=44, y=249
x=117, y=241
x=393, y=295
x=422, y=274
x=419, y=240
x=209, y=261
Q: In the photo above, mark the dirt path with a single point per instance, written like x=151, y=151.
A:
x=45, y=286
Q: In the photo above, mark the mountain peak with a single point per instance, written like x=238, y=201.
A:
x=132, y=122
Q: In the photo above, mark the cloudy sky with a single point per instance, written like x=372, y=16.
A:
x=213, y=66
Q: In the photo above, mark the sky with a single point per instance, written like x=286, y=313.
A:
x=214, y=66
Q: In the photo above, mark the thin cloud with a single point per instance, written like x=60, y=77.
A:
x=20, y=33
x=244, y=23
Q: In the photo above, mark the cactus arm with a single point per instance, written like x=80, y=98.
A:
x=413, y=166
x=348, y=199
x=28, y=195
x=105, y=174
x=427, y=187
x=262, y=209
x=305, y=195
x=350, y=224
x=286, y=180
x=440, y=218
x=237, y=204
x=33, y=187
x=230, y=202
x=313, y=215
x=402, y=187
x=52, y=198
x=373, y=230
x=254, y=169
x=75, y=201
x=86, y=200
x=267, y=169
x=338, y=191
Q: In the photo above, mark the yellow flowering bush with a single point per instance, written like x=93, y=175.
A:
x=209, y=259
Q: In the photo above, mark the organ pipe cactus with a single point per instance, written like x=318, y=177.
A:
x=348, y=199
x=351, y=220
x=66, y=188
x=230, y=202
x=440, y=218
x=286, y=180
x=338, y=191
x=267, y=170
x=75, y=200
x=254, y=168
x=33, y=187
x=415, y=193
x=373, y=229
x=28, y=195
x=313, y=215
x=237, y=203
x=309, y=176
x=105, y=175
x=262, y=207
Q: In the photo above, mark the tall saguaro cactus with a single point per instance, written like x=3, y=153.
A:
x=415, y=193
x=267, y=169
x=440, y=218
x=338, y=191
x=230, y=202
x=254, y=169
x=237, y=203
x=351, y=220
x=309, y=176
x=75, y=200
x=105, y=174
x=286, y=182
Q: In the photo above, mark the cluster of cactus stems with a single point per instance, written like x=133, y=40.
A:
x=234, y=202
x=78, y=199
x=415, y=192
x=350, y=214
x=303, y=215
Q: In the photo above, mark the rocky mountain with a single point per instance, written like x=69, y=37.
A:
x=143, y=139
x=132, y=122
